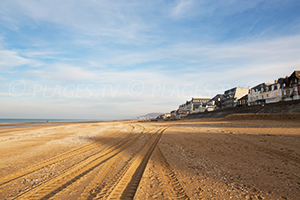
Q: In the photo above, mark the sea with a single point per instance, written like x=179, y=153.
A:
x=2, y=120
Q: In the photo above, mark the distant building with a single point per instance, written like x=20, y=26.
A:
x=273, y=92
x=212, y=104
x=164, y=116
x=291, y=87
x=231, y=96
x=183, y=108
x=167, y=116
x=174, y=113
x=196, y=103
x=192, y=106
x=257, y=94
x=216, y=101
x=242, y=101
x=160, y=116
x=283, y=89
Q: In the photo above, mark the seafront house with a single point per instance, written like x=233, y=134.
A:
x=164, y=116
x=183, y=108
x=212, y=104
x=242, y=101
x=181, y=111
x=283, y=89
x=231, y=96
x=273, y=92
x=192, y=106
x=197, y=103
x=291, y=87
x=174, y=113
x=167, y=116
x=257, y=94
x=216, y=101
x=160, y=116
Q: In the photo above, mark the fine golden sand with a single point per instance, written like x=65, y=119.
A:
x=186, y=159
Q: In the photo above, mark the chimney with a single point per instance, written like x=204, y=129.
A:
x=276, y=81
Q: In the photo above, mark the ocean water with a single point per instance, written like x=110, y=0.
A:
x=42, y=120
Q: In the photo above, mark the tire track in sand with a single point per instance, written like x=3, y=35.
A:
x=87, y=147
x=53, y=186
x=170, y=184
x=103, y=183
x=127, y=185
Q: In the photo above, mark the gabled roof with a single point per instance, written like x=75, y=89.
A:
x=261, y=85
x=295, y=74
x=244, y=97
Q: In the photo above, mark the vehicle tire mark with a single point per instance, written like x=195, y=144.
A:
x=171, y=185
x=127, y=185
x=48, y=189
x=90, y=146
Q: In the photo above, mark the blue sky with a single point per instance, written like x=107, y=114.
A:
x=121, y=59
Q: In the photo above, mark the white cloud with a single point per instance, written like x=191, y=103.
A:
x=42, y=54
x=10, y=59
x=198, y=58
x=63, y=73
x=182, y=7
x=188, y=9
x=105, y=18
x=243, y=54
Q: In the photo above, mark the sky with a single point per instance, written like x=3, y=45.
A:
x=99, y=59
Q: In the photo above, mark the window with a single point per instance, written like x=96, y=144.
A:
x=284, y=92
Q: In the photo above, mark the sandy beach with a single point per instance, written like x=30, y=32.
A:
x=186, y=159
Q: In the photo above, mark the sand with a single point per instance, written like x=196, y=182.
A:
x=187, y=159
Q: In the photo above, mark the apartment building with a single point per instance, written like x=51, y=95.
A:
x=256, y=95
x=291, y=87
x=231, y=96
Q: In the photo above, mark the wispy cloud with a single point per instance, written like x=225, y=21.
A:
x=130, y=57
x=205, y=8
x=63, y=73
x=10, y=59
x=102, y=18
x=182, y=8
x=41, y=54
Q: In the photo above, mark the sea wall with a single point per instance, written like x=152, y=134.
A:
x=264, y=116
x=280, y=107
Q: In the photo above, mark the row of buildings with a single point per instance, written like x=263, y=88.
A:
x=282, y=89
